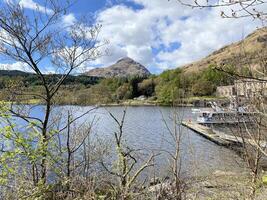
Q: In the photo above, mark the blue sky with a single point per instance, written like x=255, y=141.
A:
x=85, y=6
x=159, y=34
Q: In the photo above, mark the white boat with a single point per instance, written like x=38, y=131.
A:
x=217, y=115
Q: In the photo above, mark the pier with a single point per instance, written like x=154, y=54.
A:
x=219, y=137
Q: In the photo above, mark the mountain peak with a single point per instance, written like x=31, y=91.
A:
x=124, y=67
x=125, y=59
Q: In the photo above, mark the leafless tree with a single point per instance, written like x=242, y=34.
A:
x=175, y=133
x=232, y=8
x=37, y=38
x=76, y=155
x=127, y=168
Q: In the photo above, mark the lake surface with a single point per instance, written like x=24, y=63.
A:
x=144, y=128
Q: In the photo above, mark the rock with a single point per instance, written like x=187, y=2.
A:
x=140, y=98
x=223, y=173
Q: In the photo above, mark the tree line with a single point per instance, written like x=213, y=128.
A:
x=165, y=88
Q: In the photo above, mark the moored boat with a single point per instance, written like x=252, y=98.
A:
x=218, y=115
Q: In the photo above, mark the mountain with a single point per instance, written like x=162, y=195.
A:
x=250, y=52
x=124, y=67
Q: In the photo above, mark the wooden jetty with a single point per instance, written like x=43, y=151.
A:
x=219, y=137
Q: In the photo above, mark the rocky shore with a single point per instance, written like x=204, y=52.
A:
x=220, y=185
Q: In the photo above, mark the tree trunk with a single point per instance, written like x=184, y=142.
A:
x=44, y=141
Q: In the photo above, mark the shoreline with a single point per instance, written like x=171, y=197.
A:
x=187, y=102
x=136, y=104
x=131, y=104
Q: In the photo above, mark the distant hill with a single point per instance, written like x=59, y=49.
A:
x=250, y=51
x=124, y=67
x=13, y=73
x=31, y=79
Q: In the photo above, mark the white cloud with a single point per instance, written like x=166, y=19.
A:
x=143, y=54
x=146, y=34
x=30, y=4
x=69, y=19
x=15, y=66
x=114, y=53
x=25, y=67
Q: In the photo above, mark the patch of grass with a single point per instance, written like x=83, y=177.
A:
x=264, y=179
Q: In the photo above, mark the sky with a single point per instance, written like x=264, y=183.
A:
x=160, y=34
